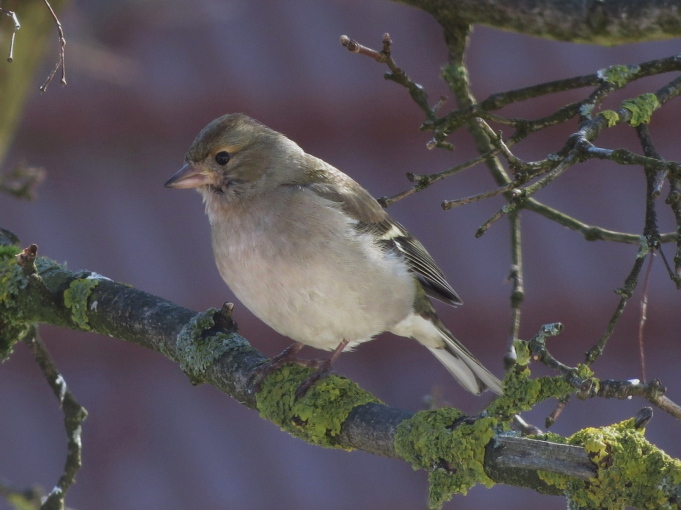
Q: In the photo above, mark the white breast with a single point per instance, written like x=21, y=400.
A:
x=310, y=277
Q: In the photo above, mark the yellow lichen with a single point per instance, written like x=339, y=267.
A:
x=611, y=116
x=452, y=452
x=631, y=472
x=318, y=416
x=522, y=352
x=12, y=281
x=76, y=299
x=641, y=108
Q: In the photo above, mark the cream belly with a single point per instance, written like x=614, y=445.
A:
x=304, y=289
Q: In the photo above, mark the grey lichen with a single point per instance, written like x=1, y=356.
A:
x=618, y=75
x=76, y=299
x=12, y=281
x=198, y=349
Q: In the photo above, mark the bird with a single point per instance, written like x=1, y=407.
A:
x=313, y=254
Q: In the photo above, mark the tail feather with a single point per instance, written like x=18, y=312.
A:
x=467, y=370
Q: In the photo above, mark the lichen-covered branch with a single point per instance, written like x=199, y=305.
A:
x=604, y=22
x=334, y=413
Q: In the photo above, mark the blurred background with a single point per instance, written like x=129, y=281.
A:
x=143, y=78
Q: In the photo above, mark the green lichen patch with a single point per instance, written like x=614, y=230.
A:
x=198, y=350
x=631, y=471
x=12, y=281
x=452, y=73
x=521, y=393
x=641, y=108
x=12, y=278
x=13, y=284
x=452, y=453
x=318, y=416
x=76, y=299
x=8, y=251
x=618, y=75
x=522, y=352
x=611, y=116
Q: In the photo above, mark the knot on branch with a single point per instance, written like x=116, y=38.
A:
x=205, y=339
x=26, y=259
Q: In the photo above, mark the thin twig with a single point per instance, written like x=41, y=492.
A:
x=423, y=181
x=539, y=352
x=521, y=194
x=590, y=232
x=355, y=47
x=557, y=411
x=518, y=288
x=61, y=62
x=652, y=391
x=396, y=74
x=74, y=414
x=643, y=319
x=456, y=118
x=451, y=204
x=17, y=26
x=625, y=293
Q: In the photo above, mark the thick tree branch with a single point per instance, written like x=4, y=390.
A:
x=209, y=350
x=604, y=22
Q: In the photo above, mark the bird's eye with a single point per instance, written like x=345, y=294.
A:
x=222, y=158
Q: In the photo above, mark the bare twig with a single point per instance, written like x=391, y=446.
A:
x=557, y=411
x=518, y=289
x=399, y=76
x=643, y=319
x=652, y=391
x=355, y=47
x=61, y=62
x=451, y=204
x=590, y=232
x=522, y=194
x=15, y=28
x=74, y=414
x=648, y=241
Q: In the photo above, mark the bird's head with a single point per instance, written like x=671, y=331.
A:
x=235, y=156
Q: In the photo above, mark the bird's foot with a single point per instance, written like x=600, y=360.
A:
x=322, y=372
x=288, y=355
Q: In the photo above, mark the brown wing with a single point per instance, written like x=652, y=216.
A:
x=333, y=185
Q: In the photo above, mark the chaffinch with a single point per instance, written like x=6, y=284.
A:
x=312, y=254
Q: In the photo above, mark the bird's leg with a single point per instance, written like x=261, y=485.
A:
x=288, y=355
x=323, y=370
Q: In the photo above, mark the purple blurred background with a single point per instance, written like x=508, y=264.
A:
x=144, y=78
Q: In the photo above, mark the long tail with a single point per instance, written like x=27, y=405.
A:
x=467, y=370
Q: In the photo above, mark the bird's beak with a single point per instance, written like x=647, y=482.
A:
x=189, y=177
